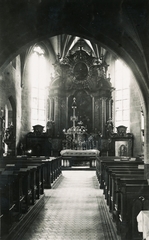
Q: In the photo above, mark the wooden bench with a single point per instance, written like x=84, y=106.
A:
x=115, y=183
x=28, y=178
x=9, y=201
x=112, y=171
x=30, y=181
x=126, y=191
x=131, y=199
x=51, y=169
x=116, y=168
x=18, y=191
x=100, y=170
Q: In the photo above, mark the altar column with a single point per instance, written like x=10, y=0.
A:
x=97, y=114
x=103, y=114
x=109, y=109
x=93, y=113
x=51, y=109
x=57, y=115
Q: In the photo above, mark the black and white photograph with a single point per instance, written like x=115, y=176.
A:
x=74, y=119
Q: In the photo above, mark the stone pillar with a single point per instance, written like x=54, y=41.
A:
x=56, y=115
x=100, y=116
x=66, y=112
x=50, y=109
x=1, y=136
x=146, y=142
x=93, y=113
x=63, y=110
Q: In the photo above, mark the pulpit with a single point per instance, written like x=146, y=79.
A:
x=121, y=143
x=38, y=142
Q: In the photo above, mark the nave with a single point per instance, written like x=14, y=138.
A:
x=75, y=209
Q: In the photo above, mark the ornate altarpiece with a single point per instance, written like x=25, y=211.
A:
x=84, y=77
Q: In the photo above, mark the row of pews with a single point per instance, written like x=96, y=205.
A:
x=22, y=184
x=126, y=193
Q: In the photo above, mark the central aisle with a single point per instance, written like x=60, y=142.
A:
x=75, y=209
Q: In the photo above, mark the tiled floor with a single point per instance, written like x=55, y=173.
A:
x=74, y=210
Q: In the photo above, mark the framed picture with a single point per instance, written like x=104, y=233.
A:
x=123, y=147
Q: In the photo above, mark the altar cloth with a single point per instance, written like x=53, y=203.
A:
x=80, y=153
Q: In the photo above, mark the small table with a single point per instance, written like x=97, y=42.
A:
x=143, y=223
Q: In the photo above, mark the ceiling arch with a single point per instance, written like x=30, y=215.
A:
x=102, y=22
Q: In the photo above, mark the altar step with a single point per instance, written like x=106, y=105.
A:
x=83, y=168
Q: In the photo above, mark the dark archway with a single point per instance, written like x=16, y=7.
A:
x=119, y=26
x=105, y=22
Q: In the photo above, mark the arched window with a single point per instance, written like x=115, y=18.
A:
x=122, y=95
x=38, y=76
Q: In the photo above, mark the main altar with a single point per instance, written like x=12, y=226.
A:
x=71, y=157
x=80, y=108
x=81, y=76
x=79, y=148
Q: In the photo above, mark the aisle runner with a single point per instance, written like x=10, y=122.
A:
x=74, y=210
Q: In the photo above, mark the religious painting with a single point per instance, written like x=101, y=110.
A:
x=121, y=148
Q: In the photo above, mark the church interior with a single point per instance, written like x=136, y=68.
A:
x=74, y=99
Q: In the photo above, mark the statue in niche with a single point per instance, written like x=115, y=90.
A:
x=50, y=128
x=68, y=77
x=57, y=69
x=9, y=137
x=90, y=141
x=109, y=128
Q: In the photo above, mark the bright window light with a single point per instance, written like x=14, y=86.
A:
x=122, y=98
x=38, y=79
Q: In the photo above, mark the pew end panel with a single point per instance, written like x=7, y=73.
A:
x=132, y=199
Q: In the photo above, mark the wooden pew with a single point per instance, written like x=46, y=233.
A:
x=8, y=206
x=131, y=199
x=26, y=190
x=17, y=187
x=51, y=169
x=114, y=188
x=30, y=174
x=103, y=164
x=37, y=182
x=25, y=162
x=110, y=172
x=127, y=193
x=29, y=183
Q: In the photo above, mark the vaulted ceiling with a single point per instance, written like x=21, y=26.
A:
x=59, y=46
x=119, y=26
x=64, y=43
